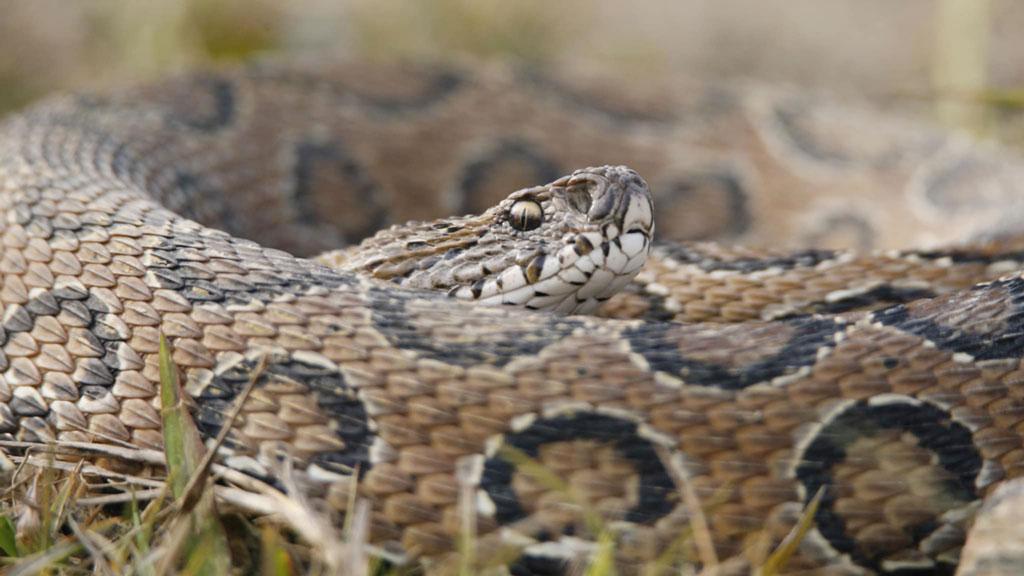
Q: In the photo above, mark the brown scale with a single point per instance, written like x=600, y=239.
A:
x=87, y=233
x=670, y=290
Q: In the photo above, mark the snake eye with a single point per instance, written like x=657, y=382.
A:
x=526, y=215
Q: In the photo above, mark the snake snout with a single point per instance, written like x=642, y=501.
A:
x=616, y=195
x=639, y=213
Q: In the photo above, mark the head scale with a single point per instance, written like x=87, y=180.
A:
x=565, y=246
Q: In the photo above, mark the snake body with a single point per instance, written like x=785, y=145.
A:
x=890, y=381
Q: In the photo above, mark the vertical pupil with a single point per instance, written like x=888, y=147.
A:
x=525, y=216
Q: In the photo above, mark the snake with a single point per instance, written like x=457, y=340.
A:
x=831, y=310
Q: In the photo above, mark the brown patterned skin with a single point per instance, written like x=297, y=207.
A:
x=906, y=416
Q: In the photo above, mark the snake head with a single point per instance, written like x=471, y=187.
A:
x=564, y=247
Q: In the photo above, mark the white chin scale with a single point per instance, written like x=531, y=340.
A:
x=572, y=283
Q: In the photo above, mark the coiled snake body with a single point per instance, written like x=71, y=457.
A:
x=889, y=379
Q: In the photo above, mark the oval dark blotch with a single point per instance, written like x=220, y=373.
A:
x=691, y=353
x=841, y=231
x=335, y=193
x=407, y=321
x=336, y=402
x=842, y=138
x=205, y=103
x=702, y=204
x=655, y=493
x=850, y=450
x=504, y=167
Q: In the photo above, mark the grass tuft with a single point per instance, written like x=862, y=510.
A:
x=205, y=545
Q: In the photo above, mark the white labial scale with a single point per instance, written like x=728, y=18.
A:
x=568, y=306
x=518, y=297
x=496, y=261
x=585, y=265
x=554, y=286
x=616, y=260
x=638, y=214
x=566, y=256
x=573, y=275
x=551, y=267
x=597, y=256
x=633, y=244
x=587, y=306
x=547, y=302
x=598, y=282
x=594, y=238
x=469, y=272
x=617, y=285
x=490, y=288
x=512, y=278
x=636, y=263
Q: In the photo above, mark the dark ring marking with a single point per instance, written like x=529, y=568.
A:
x=396, y=323
x=193, y=197
x=656, y=489
x=475, y=172
x=363, y=192
x=184, y=111
x=334, y=398
x=990, y=341
x=962, y=256
x=861, y=230
x=682, y=189
x=884, y=294
x=789, y=115
x=951, y=186
x=171, y=269
x=658, y=344
x=935, y=431
x=685, y=254
x=442, y=83
x=579, y=101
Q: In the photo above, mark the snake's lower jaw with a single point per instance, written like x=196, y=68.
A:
x=576, y=280
x=619, y=260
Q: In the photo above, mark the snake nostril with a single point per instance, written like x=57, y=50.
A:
x=579, y=199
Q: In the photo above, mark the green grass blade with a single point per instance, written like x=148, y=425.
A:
x=181, y=442
x=8, y=537
x=604, y=560
x=791, y=542
x=276, y=560
x=207, y=552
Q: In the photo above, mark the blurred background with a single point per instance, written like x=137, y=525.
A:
x=959, y=60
